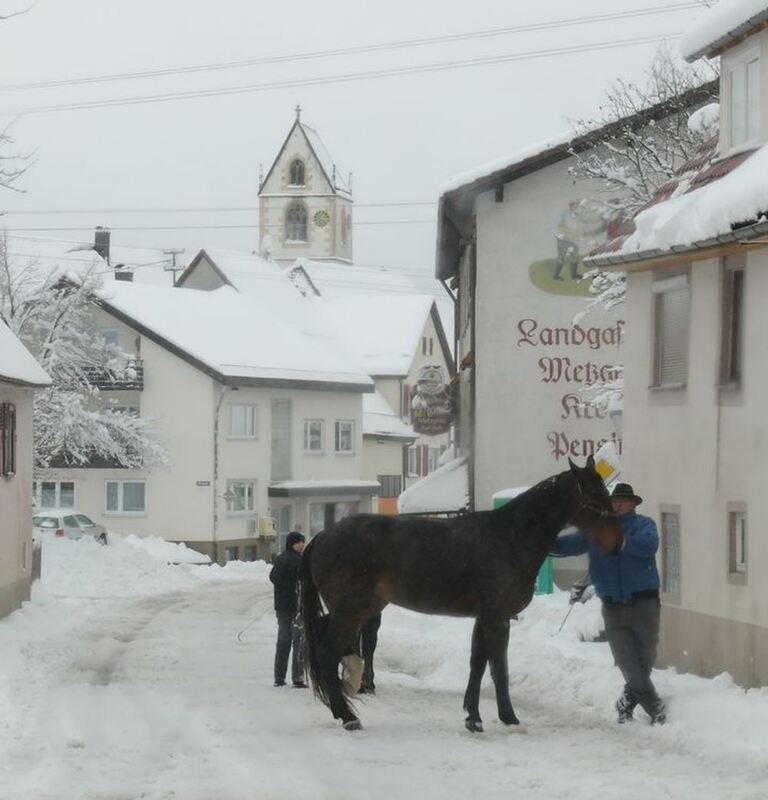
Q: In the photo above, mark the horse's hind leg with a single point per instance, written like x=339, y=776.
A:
x=496, y=643
x=339, y=639
x=368, y=640
x=477, y=662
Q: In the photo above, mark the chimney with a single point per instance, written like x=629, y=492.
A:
x=123, y=273
x=101, y=242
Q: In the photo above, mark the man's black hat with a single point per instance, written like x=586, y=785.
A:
x=626, y=490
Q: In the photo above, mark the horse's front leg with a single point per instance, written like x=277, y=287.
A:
x=369, y=638
x=477, y=662
x=496, y=634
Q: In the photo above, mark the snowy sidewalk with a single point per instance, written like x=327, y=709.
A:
x=131, y=683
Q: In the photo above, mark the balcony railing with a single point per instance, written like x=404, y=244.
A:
x=133, y=380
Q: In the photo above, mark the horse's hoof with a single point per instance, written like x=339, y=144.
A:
x=473, y=725
x=353, y=725
x=367, y=689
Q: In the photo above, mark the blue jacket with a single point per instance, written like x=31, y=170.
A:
x=633, y=569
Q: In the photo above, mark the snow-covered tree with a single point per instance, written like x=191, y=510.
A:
x=73, y=423
x=637, y=155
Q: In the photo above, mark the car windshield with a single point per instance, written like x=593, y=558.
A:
x=44, y=522
x=84, y=521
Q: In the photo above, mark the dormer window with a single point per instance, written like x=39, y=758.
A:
x=296, y=222
x=743, y=78
x=297, y=172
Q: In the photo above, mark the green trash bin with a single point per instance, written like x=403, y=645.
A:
x=544, y=578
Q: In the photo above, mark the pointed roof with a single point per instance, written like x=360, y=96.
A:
x=336, y=181
x=17, y=364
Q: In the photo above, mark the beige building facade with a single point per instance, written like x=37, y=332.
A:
x=20, y=376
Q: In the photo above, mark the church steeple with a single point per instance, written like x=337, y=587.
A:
x=305, y=204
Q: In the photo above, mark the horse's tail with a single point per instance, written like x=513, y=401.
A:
x=315, y=624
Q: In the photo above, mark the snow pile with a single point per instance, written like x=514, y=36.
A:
x=706, y=120
x=740, y=196
x=129, y=567
x=380, y=420
x=445, y=489
x=17, y=363
x=729, y=18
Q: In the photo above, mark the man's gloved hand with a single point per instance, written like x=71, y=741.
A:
x=580, y=593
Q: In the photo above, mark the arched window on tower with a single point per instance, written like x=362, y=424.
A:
x=297, y=172
x=296, y=222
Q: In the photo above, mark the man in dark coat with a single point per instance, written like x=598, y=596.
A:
x=284, y=576
x=627, y=582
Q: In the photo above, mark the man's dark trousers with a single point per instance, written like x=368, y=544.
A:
x=289, y=637
x=632, y=630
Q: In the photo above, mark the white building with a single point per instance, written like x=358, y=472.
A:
x=512, y=236
x=695, y=422
x=391, y=335
x=20, y=375
x=259, y=420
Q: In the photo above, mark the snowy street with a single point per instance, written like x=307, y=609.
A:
x=124, y=678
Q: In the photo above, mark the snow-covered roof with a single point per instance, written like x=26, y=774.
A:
x=384, y=331
x=17, y=364
x=725, y=24
x=234, y=336
x=506, y=162
x=445, y=489
x=727, y=198
x=381, y=421
x=324, y=157
x=333, y=279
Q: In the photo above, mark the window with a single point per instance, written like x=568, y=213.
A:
x=110, y=336
x=232, y=553
x=737, y=543
x=405, y=401
x=670, y=554
x=313, y=435
x=242, y=421
x=125, y=497
x=7, y=440
x=297, y=172
x=427, y=345
x=744, y=90
x=391, y=485
x=433, y=459
x=282, y=518
x=54, y=494
x=249, y=552
x=344, y=439
x=731, y=345
x=241, y=497
x=671, y=301
x=296, y=223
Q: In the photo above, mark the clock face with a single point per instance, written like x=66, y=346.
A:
x=322, y=218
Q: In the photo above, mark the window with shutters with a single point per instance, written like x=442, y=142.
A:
x=391, y=485
x=670, y=553
x=7, y=440
x=732, y=325
x=671, y=312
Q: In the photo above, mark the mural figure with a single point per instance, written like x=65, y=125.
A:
x=578, y=231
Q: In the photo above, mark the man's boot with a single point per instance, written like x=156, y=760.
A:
x=625, y=706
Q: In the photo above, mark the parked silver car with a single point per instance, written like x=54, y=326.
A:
x=65, y=523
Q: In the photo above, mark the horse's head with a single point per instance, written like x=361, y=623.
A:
x=592, y=509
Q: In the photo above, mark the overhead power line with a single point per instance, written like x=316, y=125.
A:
x=354, y=50
x=187, y=210
x=343, y=78
x=244, y=226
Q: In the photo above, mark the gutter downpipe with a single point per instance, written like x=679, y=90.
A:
x=222, y=392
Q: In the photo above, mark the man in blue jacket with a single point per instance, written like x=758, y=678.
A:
x=627, y=582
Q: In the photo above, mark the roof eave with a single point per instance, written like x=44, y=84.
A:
x=698, y=251
x=748, y=28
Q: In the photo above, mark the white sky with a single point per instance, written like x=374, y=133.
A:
x=402, y=137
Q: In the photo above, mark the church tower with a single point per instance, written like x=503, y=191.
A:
x=305, y=204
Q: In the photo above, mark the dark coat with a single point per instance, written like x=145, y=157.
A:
x=284, y=576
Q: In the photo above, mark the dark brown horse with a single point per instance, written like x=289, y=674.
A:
x=482, y=565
